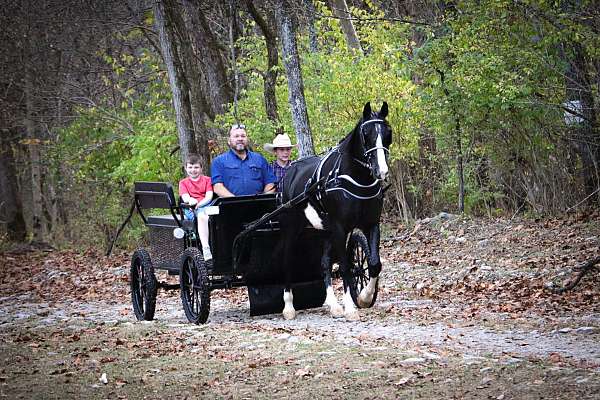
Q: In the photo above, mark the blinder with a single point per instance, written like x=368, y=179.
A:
x=374, y=148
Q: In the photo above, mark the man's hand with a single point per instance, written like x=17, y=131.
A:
x=269, y=188
x=192, y=201
x=221, y=190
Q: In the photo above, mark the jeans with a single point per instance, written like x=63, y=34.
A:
x=189, y=213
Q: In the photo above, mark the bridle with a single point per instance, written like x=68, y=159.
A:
x=374, y=148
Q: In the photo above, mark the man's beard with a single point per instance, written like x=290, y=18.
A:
x=239, y=147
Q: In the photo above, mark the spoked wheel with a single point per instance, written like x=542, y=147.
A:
x=358, y=252
x=143, y=285
x=194, y=285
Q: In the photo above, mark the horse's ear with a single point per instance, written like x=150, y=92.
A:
x=384, y=111
x=367, y=111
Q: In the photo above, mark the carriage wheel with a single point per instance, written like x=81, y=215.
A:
x=358, y=252
x=193, y=282
x=143, y=286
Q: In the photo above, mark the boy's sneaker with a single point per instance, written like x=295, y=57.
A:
x=207, y=254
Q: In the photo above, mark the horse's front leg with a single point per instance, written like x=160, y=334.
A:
x=289, y=233
x=331, y=301
x=339, y=246
x=365, y=298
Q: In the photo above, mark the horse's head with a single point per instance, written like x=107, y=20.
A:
x=375, y=140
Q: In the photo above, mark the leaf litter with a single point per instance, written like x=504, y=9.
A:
x=464, y=310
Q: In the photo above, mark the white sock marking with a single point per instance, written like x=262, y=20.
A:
x=331, y=301
x=366, y=295
x=313, y=217
x=349, y=308
x=288, y=310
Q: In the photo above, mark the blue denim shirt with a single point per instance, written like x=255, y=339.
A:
x=242, y=177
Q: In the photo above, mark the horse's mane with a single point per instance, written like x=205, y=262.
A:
x=347, y=140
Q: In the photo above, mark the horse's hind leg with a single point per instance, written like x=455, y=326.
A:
x=331, y=301
x=365, y=298
x=338, y=238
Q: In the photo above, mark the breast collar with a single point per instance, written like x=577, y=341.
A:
x=345, y=183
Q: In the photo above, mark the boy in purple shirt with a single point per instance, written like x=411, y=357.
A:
x=282, y=148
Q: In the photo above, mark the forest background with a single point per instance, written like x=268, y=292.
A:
x=493, y=103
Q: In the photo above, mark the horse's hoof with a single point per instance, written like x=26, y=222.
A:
x=352, y=316
x=363, y=303
x=289, y=314
x=337, y=311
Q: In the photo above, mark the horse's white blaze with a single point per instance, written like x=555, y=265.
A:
x=383, y=167
x=288, y=310
x=331, y=301
x=366, y=294
x=313, y=217
x=349, y=310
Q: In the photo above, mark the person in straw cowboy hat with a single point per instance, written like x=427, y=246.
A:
x=282, y=148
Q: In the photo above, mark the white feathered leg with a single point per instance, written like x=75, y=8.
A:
x=349, y=310
x=288, y=310
x=335, y=308
x=366, y=294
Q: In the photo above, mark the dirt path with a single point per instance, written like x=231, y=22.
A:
x=485, y=337
x=455, y=318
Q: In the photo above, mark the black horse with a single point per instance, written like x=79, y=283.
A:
x=348, y=195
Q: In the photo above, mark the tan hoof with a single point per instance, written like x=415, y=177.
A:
x=289, y=314
x=336, y=311
x=363, y=303
x=352, y=316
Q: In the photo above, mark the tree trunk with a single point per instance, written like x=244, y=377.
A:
x=11, y=208
x=458, y=143
x=270, y=75
x=291, y=61
x=399, y=190
x=36, y=205
x=312, y=31
x=427, y=168
x=177, y=81
x=184, y=42
x=340, y=10
x=200, y=69
x=460, y=170
x=209, y=56
x=587, y=139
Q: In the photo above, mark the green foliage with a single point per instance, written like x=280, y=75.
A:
x=337, y=84
x=127, y=141
x=124, y=138
x=488, y=74
x=492, y=78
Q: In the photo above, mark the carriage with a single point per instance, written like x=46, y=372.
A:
x=265, y=242
x=244, y=240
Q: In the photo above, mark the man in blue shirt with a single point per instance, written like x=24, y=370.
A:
x=240, y=171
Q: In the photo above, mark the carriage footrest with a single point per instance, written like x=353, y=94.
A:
x=268, y=299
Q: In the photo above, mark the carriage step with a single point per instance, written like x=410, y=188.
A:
x=268, y=299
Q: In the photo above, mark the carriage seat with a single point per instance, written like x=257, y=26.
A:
x=160, y=195
x=167, y=221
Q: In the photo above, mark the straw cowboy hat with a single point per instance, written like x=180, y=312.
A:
x=279, y=141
